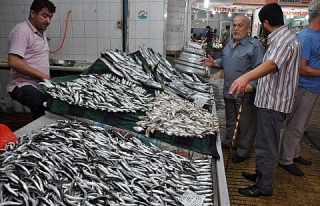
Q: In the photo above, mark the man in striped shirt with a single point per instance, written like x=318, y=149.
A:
x=278, y=79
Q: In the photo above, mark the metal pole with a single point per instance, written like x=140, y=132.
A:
x=235, y=132
x=125, y=28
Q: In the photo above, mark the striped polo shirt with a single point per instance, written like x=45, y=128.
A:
x=276, y=90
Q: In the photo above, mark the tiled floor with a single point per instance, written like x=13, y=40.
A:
x=288, y=189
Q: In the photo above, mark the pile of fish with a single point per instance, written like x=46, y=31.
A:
x=101, y=91
x=187, y=86
x=175, y=116
x=123, y=66
x=160, y=76
x=70, y=163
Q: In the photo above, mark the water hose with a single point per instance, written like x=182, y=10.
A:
x=64, y=35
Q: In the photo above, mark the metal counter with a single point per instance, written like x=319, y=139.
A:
x=79, y=67
x=221, y=196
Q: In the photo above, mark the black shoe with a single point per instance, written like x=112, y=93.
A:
x=302, y=161
x=248, y=176
x=237, y=159
x=223, y=146
x=253, y=191
x=292, y=169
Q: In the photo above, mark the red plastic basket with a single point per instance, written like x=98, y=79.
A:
x=6, y=135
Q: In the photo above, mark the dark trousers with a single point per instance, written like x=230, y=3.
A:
x=30, y=97
x=269, y=124
x=209, y=48
x=247, y=128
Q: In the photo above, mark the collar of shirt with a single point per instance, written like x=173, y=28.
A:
x=275, y=34
x=243, y=41
x=34, y=30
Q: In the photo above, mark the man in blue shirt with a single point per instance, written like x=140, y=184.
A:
x=242, y=54
x=306, y=95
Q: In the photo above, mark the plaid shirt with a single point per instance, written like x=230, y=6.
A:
x=276, y=90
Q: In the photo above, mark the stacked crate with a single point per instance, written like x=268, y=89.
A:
x=175, y=27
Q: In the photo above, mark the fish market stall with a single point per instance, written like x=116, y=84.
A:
x=62, y=161
x=125, y=100
x=119, y=93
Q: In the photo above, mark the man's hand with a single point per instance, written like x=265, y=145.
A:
x=45, y=76
x=238, y=86
x=209, y=62
x=248, y=88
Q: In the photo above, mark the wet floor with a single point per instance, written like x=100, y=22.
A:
x=288, y=189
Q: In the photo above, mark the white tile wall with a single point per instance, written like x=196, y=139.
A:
x=89, y=19
x=150, y=31
x=92, y=27
x=78, y=29
x=103, y=11
x=7, y=12
x=176, y=24
x=79, y=46
x=77, y=12
x=19, y=12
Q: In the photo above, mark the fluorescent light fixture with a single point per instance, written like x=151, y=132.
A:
x=300, y=19
x=206, y=4
x=229, y=14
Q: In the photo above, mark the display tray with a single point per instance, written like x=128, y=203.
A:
x=127, y=120
x=56, y=152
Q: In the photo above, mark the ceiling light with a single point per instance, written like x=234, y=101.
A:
x=229, y=14
x=213, y=12
x=206, y=4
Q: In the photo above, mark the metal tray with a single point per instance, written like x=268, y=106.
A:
x=66, y=63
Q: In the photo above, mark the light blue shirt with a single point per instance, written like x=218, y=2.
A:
x=246, y=56
x=310, y=43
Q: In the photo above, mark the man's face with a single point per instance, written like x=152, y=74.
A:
x=240, y=28
x=42, y=20
x=264, y=28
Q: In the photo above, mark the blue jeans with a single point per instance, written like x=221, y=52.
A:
x=30, y=97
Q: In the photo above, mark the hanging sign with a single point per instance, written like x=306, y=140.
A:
x=295, y=13
x=224, y=9
x=304, y=2
x=142, y=14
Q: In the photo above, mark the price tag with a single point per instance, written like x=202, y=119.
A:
x=199, y=101
x=190, y=198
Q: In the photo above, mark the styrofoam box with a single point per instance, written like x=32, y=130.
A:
x=17, y=107
x=173, y=47
x=26, y=109
x=6, y=104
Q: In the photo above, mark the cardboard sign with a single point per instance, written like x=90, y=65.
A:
x=190, y=198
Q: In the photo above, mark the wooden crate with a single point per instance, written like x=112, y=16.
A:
x=174, y=54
